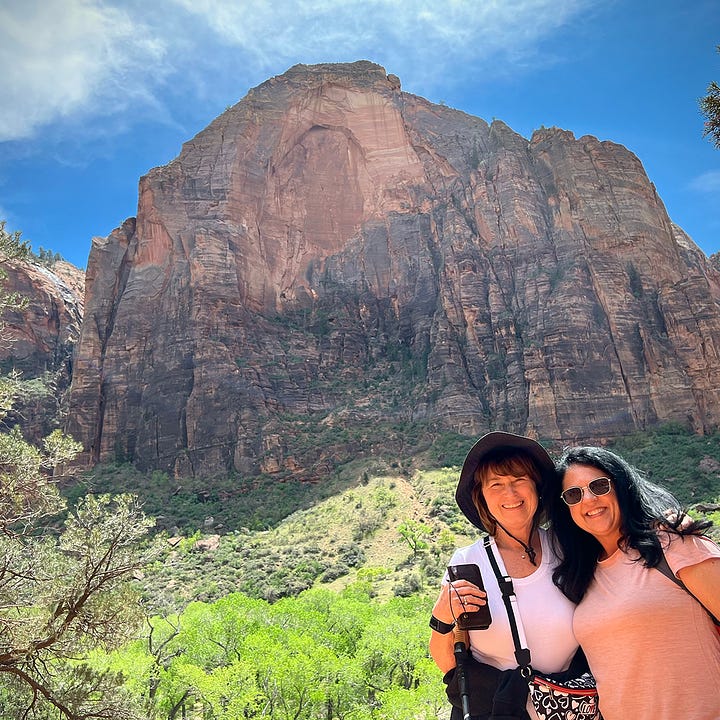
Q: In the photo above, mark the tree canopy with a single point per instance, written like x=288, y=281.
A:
x=316, y=656
x=710, y=108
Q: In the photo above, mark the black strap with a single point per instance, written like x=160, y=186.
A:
x=505, y=583
x=664, y=568
x=528, y=548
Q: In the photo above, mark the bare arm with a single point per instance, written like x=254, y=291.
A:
x=703, y=581
x=455, y=598
x=442, y=650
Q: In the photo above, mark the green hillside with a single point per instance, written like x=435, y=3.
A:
x=394, y=527
x=305, y=600
x=324, y=612
x=391, y=531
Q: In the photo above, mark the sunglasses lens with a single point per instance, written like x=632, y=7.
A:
x=600, y=486
x=572, y=496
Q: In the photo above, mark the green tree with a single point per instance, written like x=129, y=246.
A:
x=316, y=656
x=710, y=108
x=12, y=249
x=47, y=257
x=415, y=534
x=63, y=586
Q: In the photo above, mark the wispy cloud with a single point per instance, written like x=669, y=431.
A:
x=708, y=182
x=68, y=58
x=63, y=56
x=422, y=37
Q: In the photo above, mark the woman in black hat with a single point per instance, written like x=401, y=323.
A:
x=500, y=491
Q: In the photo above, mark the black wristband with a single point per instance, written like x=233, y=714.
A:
x=439, y=626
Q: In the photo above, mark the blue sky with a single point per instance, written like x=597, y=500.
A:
x=96, y=93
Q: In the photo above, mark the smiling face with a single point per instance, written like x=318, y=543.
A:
x=511, y=499
x=599, y=516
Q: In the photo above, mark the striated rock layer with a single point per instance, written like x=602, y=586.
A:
x=37, y=340
x=330, y=230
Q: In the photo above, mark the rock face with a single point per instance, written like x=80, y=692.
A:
x=38, y=341
x=334, y=248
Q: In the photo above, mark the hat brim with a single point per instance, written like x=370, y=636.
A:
x=486, y=444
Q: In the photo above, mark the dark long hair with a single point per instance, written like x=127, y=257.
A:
x=644, y=508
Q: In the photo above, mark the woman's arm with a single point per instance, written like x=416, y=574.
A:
x=442, y=650
x=703, y=581
x=454, y=598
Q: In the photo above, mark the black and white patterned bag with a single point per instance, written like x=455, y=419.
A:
x=573, y=699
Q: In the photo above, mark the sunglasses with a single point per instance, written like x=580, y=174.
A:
x=598, y=486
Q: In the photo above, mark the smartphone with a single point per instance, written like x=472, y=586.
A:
x=479, y=619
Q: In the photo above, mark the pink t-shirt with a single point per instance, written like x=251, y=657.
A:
x=652, y=647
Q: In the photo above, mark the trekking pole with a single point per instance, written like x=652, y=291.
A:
x=461, y=653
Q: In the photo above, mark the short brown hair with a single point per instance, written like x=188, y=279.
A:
x=504, y=462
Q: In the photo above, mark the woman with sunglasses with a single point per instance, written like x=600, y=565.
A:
x=651, y=645
x=500, y=491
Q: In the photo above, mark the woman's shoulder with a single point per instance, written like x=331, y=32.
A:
x=683, y=550
x=469, y=553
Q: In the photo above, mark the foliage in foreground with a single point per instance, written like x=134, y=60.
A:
x=321, y=653
x=63, y=591
x=61, y=597
x=316, y=656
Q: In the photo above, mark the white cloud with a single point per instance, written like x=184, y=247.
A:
x=89, y=58
x=708, y=182
x=425, y=37
x=62, y=56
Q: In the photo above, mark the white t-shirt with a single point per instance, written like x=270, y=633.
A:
x=547, y=615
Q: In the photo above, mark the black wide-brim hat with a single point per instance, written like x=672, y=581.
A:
x=495, y=441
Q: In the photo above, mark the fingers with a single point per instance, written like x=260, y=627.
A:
x=467, y=596
x=458, y=597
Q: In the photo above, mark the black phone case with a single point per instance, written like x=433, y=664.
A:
x=479, y=619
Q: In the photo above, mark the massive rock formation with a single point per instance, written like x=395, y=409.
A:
x=333, y=248
x=38, y=340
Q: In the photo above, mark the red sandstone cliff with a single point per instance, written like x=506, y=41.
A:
x=38, y=341
x=330, y=230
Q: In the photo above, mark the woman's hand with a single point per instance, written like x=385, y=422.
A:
x=456, y=598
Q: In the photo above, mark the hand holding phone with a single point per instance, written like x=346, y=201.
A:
x=479, y=619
